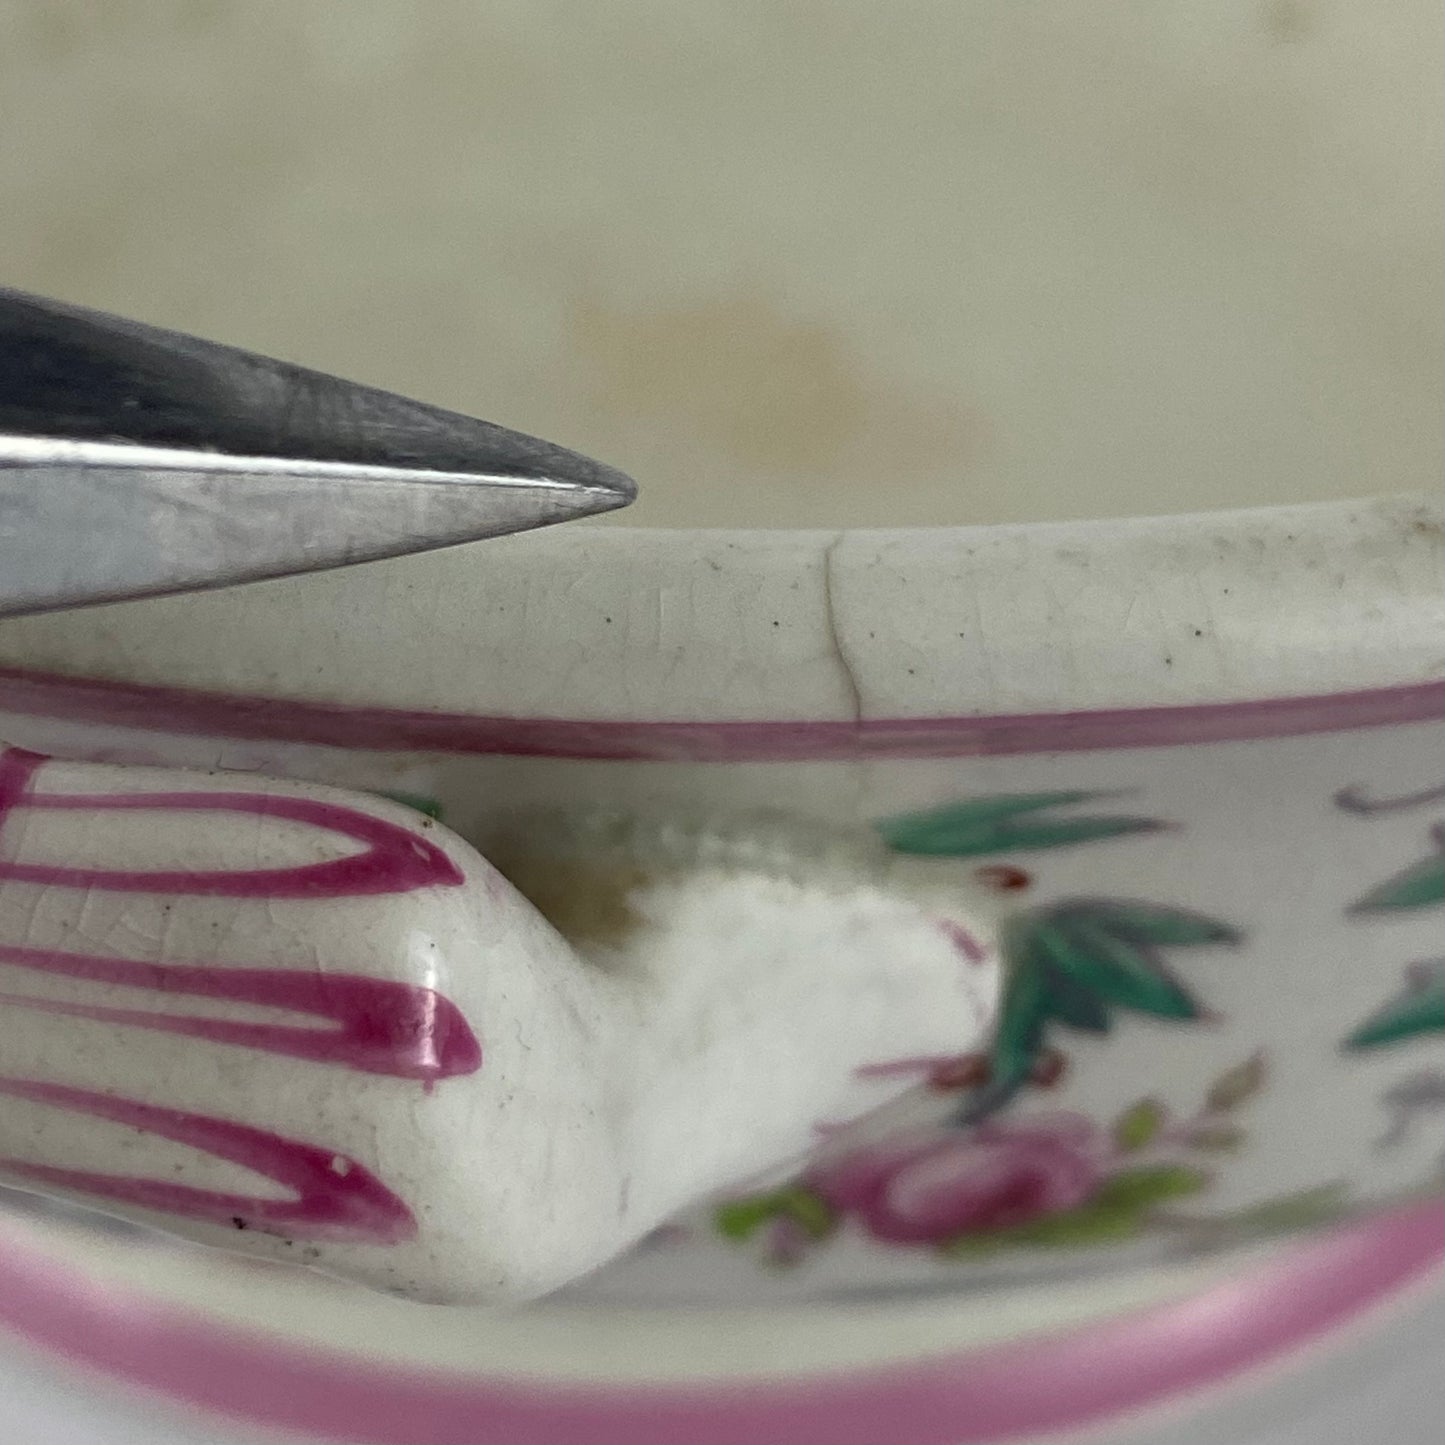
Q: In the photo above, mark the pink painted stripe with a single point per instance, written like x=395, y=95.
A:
x=333, y=1197
x=372, y=1025
x=217, y=714
x=1055, y=1382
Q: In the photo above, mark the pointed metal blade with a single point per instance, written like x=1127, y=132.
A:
x=137, y=461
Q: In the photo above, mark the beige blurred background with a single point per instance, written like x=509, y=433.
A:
x=796, y=262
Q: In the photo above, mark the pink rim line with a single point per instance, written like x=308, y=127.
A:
x=1001, y=1392
x=218, y=714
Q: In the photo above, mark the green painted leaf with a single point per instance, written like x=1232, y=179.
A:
x=1023, y=837
x=980, y=1245
x=741, y=1218
x=1117, y=970
x=1071, y=1003
x=1091, y=1223
x=418, y=801
x=1236, y=1086
x=1001, y=824
x=1023, y=1012
x=1150, y=1184
x=810, y=1211
x=1069, y=963
x=1094, y=1223
x=964, y=826
x=1421, y=1011
x=1153, y=923
x=1420, y=886
x=1138, y=1124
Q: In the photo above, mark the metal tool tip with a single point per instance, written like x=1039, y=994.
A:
x=189, y=464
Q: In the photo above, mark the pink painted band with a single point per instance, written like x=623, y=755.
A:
x=331, y=1197
x=217, y=714
x=394, y=859
x=371, y=1025
x=1002, y=1392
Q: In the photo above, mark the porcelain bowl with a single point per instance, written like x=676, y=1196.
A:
x=1197, y=758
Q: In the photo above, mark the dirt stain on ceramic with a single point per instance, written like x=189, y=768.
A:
x=771, y=391
x=586, y=901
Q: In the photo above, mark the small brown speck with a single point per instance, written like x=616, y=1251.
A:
x=1048, y=1069
x=967, y=1071
x=1003, y=877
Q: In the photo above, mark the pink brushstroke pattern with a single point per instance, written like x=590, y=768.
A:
x=375, y=1026
x=920, y=1066
x=335, y=1198
x=380, y=1026
x=394, y=860
x=967, y=945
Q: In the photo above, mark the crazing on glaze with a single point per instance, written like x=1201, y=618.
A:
x=375, y=1025
x=336, y=1199
x=1077, y=965
x=746, y=970
x=393, y=861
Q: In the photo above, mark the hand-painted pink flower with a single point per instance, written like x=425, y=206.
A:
x=936, y=1184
